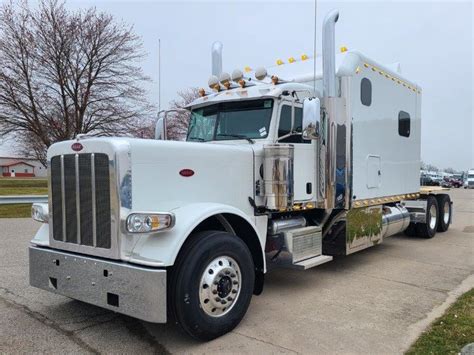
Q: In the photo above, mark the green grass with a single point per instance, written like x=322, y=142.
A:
x=20, y=186
x=23, y=186
x=22, y=182
x=451, y=332
x=15, y=211
x=6, y=191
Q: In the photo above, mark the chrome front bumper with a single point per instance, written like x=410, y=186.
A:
x=136, y=291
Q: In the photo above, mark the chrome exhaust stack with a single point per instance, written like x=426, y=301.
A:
x=216, y=57
x=329, y=54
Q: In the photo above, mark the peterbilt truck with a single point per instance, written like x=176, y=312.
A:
x=282, y=167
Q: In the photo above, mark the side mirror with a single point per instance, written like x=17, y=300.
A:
x=311, y=118
x=160, y=128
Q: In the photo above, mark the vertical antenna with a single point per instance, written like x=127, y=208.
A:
x=315, y=40
x=159, y=74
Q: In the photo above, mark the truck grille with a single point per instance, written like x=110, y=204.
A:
x=80, y=198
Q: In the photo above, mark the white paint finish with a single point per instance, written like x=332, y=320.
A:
x=304, y=163
x=304, y=171
x=375, y=132
x=41, y=237
x=374, y=171
x=161, y=249
x=223, y=173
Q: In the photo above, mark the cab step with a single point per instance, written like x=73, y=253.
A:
x=312, y=262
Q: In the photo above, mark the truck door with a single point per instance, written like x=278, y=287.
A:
x=304, y=153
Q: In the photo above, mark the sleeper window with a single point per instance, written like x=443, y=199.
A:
x=404, y=124
x=366, y=92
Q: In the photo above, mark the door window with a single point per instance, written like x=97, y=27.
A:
x=284, y=127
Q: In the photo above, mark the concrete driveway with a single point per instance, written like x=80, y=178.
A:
x=375, y=301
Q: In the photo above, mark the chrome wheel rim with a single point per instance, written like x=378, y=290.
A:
x=446, y=214
x=220, y=286
x=433, y=216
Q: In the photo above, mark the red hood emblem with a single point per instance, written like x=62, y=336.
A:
x=77, y=146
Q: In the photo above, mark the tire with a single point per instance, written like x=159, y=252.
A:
x=444, y=212
x=411, y=230
x=428, y=229
x=211, y=284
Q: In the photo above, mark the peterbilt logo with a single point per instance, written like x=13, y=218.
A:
x=77, y=146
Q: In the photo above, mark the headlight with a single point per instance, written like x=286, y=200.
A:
x=39, y=212
x=149, y=222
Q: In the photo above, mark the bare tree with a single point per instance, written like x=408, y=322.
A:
x=450, y=171
x=432, y=167
x=178, y=121
x=63, y=73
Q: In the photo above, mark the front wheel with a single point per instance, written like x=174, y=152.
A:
x=212, y=284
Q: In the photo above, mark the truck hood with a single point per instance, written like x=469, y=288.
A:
x=220, y=173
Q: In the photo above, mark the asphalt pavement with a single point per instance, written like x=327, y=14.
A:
x=375, y=301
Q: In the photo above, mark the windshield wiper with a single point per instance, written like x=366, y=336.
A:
x=199, y=139
x=250, y=140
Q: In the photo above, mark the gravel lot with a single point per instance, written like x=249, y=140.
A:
x=375, y=301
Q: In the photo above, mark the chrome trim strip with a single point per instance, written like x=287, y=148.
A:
x=63, y=198
x=78, y=200
x=94, y=221
x=119, y=154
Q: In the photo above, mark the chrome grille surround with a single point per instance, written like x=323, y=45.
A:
x=105, y=239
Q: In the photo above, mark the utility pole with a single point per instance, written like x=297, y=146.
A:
x=159, y=74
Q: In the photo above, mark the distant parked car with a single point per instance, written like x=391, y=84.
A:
x=455, y=182
x=446, y=182
x=426, y=180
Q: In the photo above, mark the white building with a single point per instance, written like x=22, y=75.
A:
x=21, y=167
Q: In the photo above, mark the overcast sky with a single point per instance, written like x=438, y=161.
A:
x=433, y=41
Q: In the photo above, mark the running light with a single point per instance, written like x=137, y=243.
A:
x=39, y=212
x=149, y=222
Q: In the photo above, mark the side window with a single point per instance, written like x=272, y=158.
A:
x=404, y=124
x=366, y=92
x=284, y=126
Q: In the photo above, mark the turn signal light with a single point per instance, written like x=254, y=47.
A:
x=149, y=222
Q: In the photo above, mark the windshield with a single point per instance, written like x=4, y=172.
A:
x=231, y=120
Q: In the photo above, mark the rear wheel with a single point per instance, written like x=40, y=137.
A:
x=212, y=284
x=428, y=229
x=411, y=230
x=444, y=212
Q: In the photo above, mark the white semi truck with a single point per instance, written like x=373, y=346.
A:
x=282, y=167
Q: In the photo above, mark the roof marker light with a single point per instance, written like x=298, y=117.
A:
x=237, y=75
x=260, y=73
x=214, y=83
x=304, y=57
x=247, y=69
x=291, y=60
x=225, y=80
x=280, y=62
x=343, y=49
